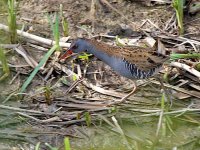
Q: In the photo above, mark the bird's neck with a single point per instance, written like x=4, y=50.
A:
x=100, y=55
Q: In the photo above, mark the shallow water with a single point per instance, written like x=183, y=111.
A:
x=140, y=133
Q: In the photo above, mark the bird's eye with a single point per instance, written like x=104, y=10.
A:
x=86, y=50
x=75, y=47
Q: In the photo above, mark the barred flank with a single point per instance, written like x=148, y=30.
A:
x=138, y=73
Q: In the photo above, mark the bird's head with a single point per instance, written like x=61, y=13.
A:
x=77, y=46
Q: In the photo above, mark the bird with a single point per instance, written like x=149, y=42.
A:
x=132, y=62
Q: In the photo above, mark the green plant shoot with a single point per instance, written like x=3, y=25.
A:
x=87, y=118
x=65, y=24
x=178, y=6
x=84, y=56
x=6, y=70
x=67, y=143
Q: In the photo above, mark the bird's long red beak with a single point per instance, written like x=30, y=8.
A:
x=66, y=54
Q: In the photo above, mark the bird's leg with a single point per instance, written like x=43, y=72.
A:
x=165, y=90
x=125, y=97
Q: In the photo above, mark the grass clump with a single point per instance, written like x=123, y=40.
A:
x=55, y=29
x=12, y=21
x=178, y=6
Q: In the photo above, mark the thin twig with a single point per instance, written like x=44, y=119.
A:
x=192, y=93
x=172, y=112
x=186, y=67
x=24, y=110
x=56, y=118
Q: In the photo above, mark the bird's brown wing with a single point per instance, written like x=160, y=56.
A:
x=144, y=59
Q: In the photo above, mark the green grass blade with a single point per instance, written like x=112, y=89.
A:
x=55, y=29
x=64, y=22
x=37, y=147
x=44, y=59
x=51, y=147
x=175, y=56
x=65, y=26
